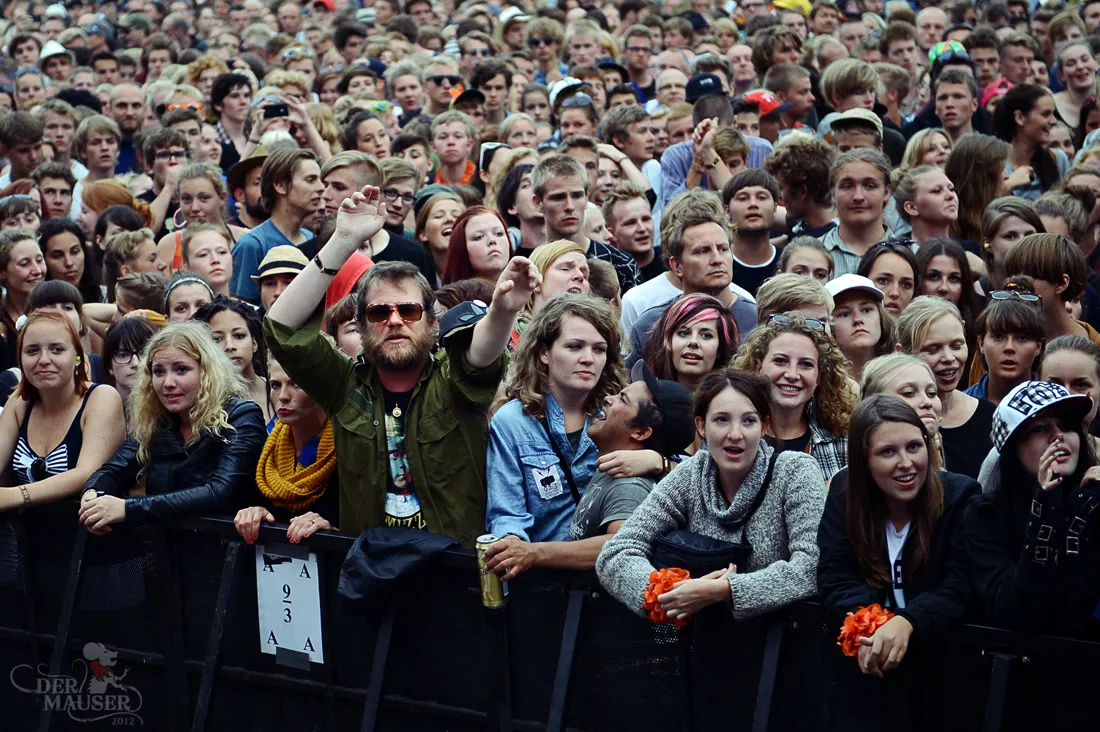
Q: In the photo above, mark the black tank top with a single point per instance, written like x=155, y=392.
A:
x=30, y=467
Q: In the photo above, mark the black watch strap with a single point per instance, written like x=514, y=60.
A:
x=323, y=268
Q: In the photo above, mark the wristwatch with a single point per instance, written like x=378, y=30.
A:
x=323, y=268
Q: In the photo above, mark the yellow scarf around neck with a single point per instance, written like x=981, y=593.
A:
x=288, y=485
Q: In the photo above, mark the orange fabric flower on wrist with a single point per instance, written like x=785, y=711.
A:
x=861, y=624
x=660, y=582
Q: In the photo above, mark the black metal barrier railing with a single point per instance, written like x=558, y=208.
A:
x=159, y=627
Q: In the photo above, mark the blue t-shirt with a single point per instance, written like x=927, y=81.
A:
x=250, y=251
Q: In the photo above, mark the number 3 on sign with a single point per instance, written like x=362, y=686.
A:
x=288, y=596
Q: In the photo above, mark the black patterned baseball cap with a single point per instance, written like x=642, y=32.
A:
x=1028, y=400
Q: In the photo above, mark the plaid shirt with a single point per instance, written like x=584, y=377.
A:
x=223, y=136
x=829, y=450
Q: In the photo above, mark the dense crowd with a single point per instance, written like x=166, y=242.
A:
x=819, y=280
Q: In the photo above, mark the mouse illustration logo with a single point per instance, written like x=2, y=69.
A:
x=95, y=692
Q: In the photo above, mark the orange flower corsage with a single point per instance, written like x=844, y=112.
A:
x=660, y=582
x=862, y=623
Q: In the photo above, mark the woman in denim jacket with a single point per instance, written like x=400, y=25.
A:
x=567, y=363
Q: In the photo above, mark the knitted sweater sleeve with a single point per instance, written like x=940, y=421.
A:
x=623, y=565
x=787, y=581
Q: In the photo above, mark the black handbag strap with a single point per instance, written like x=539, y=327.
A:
x=759, y=499
x=562, y=461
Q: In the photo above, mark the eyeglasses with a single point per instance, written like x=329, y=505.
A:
x=638, y=49
x=781, y=319
x=1018, y=294
x=391, y=195
x=540, y=41
x=580, y=99
x=410, y=312
x=481, y=52
x=124, y=357
x=440, y=79
x=166, y=155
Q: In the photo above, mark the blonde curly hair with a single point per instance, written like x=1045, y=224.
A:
x=835, y=399
x=219, y=381
x=528, y=377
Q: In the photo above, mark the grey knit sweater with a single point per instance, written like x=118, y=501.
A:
x=783, y=532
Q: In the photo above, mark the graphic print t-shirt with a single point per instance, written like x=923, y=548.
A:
x=402, y=504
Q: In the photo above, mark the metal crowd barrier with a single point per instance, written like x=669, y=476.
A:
x=178, y=605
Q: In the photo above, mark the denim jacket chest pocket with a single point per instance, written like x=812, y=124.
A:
x=544, y=481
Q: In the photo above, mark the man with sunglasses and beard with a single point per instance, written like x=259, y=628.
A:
x=410, y=427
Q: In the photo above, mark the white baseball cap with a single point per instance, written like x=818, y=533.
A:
x=1028, y=400
x=850, y=282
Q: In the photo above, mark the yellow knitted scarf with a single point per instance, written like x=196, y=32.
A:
x=287, y=484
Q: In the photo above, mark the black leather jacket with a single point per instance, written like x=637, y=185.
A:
x=213, y=475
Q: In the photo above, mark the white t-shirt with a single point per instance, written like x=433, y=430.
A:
x=895, y=541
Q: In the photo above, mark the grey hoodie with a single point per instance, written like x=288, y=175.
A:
x=783, y=533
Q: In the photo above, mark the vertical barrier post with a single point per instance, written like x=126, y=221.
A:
x=998, y=690
x=378, y=669
x=499, y=671
x=230, y=574
x=65, y=621
x=768, y=672
x=175, y=649
x=560, y=694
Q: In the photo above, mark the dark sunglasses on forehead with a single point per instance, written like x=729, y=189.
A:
x=781, y=319
x=410, y=312
x=438, y=79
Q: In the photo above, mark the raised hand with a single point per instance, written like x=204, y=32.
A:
x=516, y=285
x=362, y=216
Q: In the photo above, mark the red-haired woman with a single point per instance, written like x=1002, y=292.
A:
x=896, y=543
x=76, y=425
x=479, y=246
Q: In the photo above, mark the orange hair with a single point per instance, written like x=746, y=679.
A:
x=26, y=390
x=102, y=194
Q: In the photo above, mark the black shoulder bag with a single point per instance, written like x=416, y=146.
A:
x=701, y=555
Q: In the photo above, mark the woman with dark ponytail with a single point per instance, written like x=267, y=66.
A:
x=1024, y=119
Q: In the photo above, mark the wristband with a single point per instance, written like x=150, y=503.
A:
x=323, y=268
x=26, y=496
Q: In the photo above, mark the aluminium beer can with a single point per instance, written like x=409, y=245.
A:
x=494, y=591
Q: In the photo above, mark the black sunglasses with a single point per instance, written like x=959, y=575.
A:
x=438, y=79
x=38, y=470
x=540, y=41
x=781, y=319
x=410, y=312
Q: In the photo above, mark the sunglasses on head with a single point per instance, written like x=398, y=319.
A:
x=410, y=312
x=1018, y=294
x=438, y=79
x=781, y=319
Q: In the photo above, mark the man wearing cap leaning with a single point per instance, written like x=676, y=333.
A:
x=133, y=29
x=410, y=427
x=243, y=181
x=651, y=416
x=56, y=61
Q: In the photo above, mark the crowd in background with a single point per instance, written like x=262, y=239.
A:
x=817, y=279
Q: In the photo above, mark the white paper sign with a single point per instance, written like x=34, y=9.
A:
x=289, y=601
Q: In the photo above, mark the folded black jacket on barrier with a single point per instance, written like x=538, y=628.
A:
x=382, y=558
x=937, y=594
x=216, y=474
